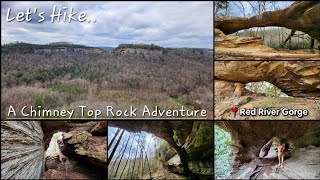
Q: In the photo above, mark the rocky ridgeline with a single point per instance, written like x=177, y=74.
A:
x=22, y=48
x=68, y=50
x=177, y=51
x=123, y=51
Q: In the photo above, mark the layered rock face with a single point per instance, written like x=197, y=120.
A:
x=195, y=138
x=295, y=78
x=84, y=146
x=300, y=79
x=248, y=137
x=22, y=150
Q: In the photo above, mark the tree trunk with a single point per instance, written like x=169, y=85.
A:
x=114, y=137
x=311, y=43
x=115, y=148
x=128, y=158
x=122, y=156
x=288, y=38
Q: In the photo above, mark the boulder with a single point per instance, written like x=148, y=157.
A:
x=100, y=128
x=91, y=148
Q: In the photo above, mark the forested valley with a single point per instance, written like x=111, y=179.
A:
x=62, y=75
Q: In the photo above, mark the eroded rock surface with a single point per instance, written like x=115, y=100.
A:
x=92, y=148
x=22, y=150
x=229, y=47
x=55, y=174
x=295, y=78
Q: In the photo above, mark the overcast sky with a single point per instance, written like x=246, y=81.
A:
x=148, y=138
x=169, y=24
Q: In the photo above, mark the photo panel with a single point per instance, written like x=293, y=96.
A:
x=69, y=68
x=160, y=149
x=247, y=30
x=267, y=90
x=266, y=149
x=152, y=60
x=53, y=150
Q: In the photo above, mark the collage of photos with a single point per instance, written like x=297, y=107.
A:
x=160, y=90
x=107, y=90
x=266, y=90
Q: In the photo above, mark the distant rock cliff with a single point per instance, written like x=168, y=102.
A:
x=68, y=49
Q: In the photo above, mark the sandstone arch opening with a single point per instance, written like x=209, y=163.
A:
x=254, y=149
x=185, y=149
x=77, y=150
x=264, y=88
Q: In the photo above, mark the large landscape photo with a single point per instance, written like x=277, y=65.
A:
x=122, y=61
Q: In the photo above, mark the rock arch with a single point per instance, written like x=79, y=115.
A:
x=295, y=78
x=303, y=16
x=299, y=79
